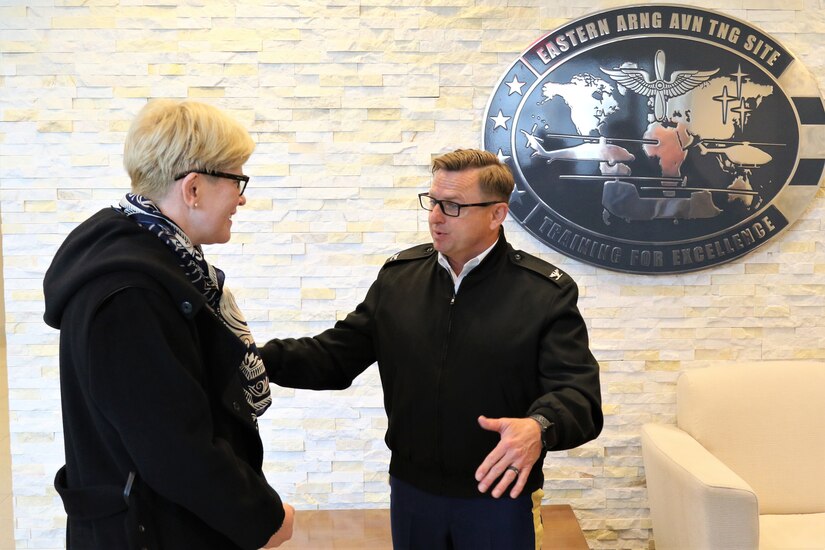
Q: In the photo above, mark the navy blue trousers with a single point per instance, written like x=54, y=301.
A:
x=422, y=521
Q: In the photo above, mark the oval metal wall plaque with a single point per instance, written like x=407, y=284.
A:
x=658, y=138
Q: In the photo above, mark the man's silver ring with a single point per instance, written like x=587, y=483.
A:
x=511, y=467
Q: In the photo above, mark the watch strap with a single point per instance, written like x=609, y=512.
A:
x=545, y=426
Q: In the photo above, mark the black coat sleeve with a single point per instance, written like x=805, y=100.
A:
x=146, y=378
x=569, y=375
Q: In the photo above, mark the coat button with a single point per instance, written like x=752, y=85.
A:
x=186, y=308
x=236, y=406
x=141, y=528
x=517, y=257
x=428, y=249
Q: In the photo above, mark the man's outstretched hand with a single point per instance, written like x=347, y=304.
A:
x=513, y=457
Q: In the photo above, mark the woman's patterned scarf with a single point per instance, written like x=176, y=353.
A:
x=209, y=280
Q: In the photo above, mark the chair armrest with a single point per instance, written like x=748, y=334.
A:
x=696, y=501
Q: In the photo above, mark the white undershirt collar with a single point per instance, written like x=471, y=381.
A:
x=469, y=266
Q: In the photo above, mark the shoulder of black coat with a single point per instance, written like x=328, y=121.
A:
x=419, y=252
x=546, y=270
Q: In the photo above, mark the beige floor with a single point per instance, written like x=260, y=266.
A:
x=370, y=530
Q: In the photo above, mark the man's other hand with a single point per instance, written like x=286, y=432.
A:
x=513, y=457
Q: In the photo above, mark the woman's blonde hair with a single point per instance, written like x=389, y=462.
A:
x=168, y=138
x=495, y=178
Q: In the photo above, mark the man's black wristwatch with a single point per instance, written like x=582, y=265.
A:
x=548, y=436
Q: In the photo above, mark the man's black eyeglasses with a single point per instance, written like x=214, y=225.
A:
x=238, y=179
x=450, y=208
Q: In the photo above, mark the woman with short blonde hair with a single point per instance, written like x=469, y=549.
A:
x=169, y=138
x=160, y=379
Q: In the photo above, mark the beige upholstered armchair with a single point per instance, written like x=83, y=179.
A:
x=744, y=466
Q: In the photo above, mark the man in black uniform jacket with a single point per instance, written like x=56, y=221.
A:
x=484, y=361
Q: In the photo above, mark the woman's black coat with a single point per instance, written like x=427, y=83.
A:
x=152, y=402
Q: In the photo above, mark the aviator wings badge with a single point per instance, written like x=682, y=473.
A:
x=659, y=88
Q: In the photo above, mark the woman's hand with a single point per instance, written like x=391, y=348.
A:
x=285, y=532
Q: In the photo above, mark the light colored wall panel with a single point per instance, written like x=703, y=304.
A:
x=347, y=101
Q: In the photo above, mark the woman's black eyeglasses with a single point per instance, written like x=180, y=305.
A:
x=450, y=208
x=240, y=180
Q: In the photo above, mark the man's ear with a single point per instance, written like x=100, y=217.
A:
x=499, y=212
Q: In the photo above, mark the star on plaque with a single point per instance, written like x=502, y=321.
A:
x=515, y=86
x=500, y=120
x=515, y=197
x=502, y=158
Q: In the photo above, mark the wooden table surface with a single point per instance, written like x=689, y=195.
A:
x=370, y=530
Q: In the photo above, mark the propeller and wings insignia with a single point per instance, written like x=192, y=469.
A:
x=659, y=88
